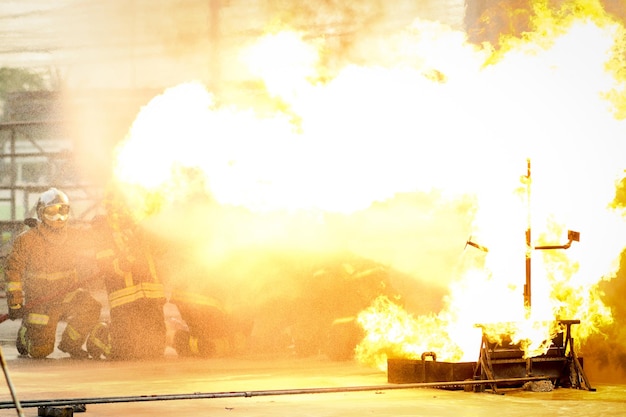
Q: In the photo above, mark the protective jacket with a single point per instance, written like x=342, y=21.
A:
x=41, y=275
x=126, y=260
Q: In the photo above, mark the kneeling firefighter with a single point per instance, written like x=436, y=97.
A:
x=211, y=331
x=42, y=282
x=126, y=260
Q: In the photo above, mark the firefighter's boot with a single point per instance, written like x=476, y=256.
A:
x=75, y=351
x=187, y=344
x=182, y=343
x=20, y=343
x=99, y=342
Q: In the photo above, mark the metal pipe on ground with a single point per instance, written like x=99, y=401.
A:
x=259, y=393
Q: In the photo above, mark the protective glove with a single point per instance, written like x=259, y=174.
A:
x=31, y=222
x=15, y=311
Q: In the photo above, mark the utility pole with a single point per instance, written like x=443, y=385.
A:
x=529, y=249
x=572, y=236
x=214, y=41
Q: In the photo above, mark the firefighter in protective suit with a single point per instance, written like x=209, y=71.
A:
x=211, y=331
x=126, y=259
x=213, y=326
x=42, y=283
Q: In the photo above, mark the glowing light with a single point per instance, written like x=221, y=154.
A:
x=462, y=123
x=284, y=62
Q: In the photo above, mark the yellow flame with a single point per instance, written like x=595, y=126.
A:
x=284, y=61
x=492, y=294
x=450, y=119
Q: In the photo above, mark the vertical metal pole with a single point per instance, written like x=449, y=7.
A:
x=132, y=44
x=16, y=401
x=13, y=174
x=527, y=293
x=214, y=38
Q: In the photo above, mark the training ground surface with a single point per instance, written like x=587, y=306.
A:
x=126, y=383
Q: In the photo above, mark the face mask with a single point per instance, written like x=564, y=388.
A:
x=56, y=217
x=56, y=212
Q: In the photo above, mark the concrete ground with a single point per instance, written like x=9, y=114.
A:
x=134, y=387
x=264, y=387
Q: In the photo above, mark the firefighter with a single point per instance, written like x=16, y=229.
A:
x=211, y=325
x=210, y=329
x=42, y=283
x=127, y=262
x=204, y=318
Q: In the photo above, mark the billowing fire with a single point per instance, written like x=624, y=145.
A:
x=433, y=113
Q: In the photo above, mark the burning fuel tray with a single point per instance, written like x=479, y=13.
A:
x=405, y=371
x=498, y=362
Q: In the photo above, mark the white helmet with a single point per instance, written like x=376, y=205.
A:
x=53, y=208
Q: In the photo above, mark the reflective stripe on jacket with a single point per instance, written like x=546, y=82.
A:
x=129, y=270
x=194, y=298
x=136, y=292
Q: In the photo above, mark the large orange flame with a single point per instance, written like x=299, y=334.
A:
x=435, y=113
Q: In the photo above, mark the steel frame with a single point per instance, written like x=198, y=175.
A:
x=23, y=194
x=560, y=364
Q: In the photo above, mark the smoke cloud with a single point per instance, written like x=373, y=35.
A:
x=416, y=137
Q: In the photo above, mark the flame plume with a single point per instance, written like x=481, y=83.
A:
x=329, y=146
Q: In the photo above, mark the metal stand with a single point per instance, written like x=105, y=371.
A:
x=577, y=376
x=560, y=364
x=18, y=406
x=484, y=366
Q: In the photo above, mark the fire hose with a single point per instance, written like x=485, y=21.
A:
x=259, y=393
